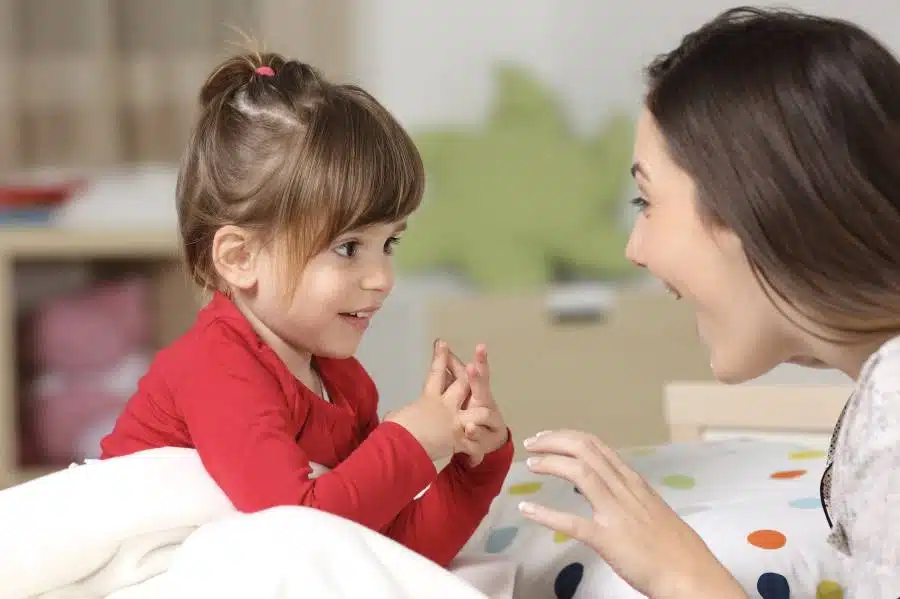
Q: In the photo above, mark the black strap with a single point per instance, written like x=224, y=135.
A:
x=825, y=483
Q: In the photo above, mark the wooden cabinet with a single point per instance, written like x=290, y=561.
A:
x=604, y=375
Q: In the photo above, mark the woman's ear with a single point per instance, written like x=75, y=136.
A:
x=234, y=256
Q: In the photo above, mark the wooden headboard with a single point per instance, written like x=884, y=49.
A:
x=708, y=410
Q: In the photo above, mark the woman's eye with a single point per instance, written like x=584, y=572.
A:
x=640, y=203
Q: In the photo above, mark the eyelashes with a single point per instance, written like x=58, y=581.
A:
x=348, y=249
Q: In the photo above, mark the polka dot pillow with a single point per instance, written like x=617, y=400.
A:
x=755, y=504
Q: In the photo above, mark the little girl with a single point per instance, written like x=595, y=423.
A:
x=291, y=196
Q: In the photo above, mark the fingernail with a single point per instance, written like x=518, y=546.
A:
x=532, y=462
x=533, y=438
x=526, y=507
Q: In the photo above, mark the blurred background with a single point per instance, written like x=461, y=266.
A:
x=524, y=112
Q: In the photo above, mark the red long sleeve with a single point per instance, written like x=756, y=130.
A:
x=221, y=390
x=247, y=443
x=442, y=521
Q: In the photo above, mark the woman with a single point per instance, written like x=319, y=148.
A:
x=768, y=161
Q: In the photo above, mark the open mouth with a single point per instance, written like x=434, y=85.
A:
x=360, y=315
x=672, y=291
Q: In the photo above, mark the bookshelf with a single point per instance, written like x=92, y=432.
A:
x=152, y=253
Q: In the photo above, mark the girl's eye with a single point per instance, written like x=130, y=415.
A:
x=389, y=245
x=347, y=249
x=640, y=203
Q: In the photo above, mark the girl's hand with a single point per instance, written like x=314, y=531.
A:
x=434, y=418
x=484, y=426
x=632, y=528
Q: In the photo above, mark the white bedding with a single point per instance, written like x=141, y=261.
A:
x=755, y=503
x=153, y=525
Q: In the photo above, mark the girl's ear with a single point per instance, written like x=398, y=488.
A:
x=234, y=256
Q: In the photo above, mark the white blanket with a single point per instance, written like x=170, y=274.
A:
x=154, y=525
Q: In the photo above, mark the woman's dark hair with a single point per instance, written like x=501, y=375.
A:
x=789, y=125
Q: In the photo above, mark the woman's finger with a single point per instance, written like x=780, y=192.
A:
x=593, y=485
x=585, y=449
x=573, y=526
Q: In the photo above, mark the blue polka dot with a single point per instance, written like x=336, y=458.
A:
x=567, y=581
x=807, y=503
x=500, y=539
x=773, y=586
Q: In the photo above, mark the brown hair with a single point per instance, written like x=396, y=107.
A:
x=292, y=157
x=789, y=125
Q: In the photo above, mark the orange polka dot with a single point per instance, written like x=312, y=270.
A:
x=767, y=539
x=786, y=474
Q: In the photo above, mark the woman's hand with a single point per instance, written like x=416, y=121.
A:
x=632, y=528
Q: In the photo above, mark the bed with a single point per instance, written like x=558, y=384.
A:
x=743, y=469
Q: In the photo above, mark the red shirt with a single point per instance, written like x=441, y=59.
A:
x=220, y=389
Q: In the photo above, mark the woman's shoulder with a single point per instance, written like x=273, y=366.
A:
x=872, y=422
x=881, y=372
x=865, y=491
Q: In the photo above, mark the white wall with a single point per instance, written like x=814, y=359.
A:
x=429, y=60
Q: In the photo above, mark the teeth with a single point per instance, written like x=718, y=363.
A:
x=672, y=291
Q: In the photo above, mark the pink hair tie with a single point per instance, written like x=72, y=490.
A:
x=265, y=71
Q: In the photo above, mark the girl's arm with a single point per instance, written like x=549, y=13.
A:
x=441, y=522
x=241, y=426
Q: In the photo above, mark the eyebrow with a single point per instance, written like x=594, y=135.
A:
x=637, y=169
x=400, y=227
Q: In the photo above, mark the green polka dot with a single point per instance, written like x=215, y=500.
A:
x=524, y=488
x=829, y=589
x=679, y=481
x=809, y=454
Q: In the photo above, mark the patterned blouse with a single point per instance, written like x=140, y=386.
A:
x=861, y=484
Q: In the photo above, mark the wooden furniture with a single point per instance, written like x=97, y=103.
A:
x=604, y=375
x=105, y=252
x=708, y=410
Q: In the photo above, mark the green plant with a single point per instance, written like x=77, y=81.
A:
x=521, y=200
